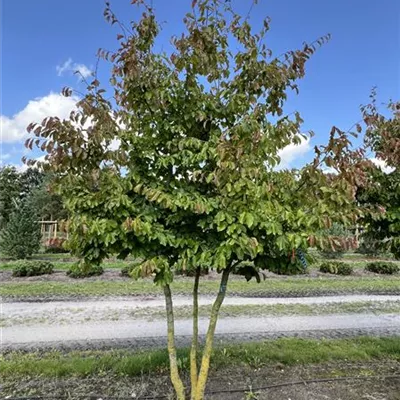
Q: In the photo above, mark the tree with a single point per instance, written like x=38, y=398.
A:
x=383, y=136
x=342, y=235
x=192, y=183
x=21, y=236
x=16, y=187
x=30, y=179
x=48, y=204
x=9, y=193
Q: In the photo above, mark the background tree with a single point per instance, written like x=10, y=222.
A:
x=48, y=204
x=20, y=238
x=339, y=233
x=382, y=231
x=192, y=184
x=32, y=184
x=30, y=180
x=10, y=190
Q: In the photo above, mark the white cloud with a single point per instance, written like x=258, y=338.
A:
x=293, y=151
x=67, y=66
x=13, y=129
x=382, y=165
x=72, y=68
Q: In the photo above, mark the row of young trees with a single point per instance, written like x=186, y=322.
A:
x=192, y=184
x=25, y=199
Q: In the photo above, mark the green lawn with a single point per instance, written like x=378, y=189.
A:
x=126, y=363
x=271, y=287
x=253, y=310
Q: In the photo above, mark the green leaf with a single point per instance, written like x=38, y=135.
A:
x=249, y=219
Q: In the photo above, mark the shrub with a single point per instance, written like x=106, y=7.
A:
x=329, y=255
x=369, y=247
x=336, y=268
x=383, y=267
x=125, y=271
x=55, y=246
x=191, y=272
x=32, y=268
x=82, y=270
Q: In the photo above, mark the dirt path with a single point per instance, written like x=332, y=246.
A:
x=52, y=324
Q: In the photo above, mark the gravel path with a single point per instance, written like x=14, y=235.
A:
x=78, y=312
x=142, y=332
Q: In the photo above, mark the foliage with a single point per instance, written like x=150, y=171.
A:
x=283, y=264
x=20, y=238
x=29, y=180
x=193, y=182
x=83, y=270
x=48, y=203
x=383, y=135
x=369, y=246
x=32, y=268
x=32, y=184
x=129, y=269
x=339, y=233
x=55, y=245
x=9, y=192
x=383, y=267
x=126, y=271
x=336, y=268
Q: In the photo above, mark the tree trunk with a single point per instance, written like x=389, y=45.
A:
x=175, y=378
x=205, y=362
x=195, y=338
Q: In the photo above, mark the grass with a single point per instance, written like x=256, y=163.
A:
x=270, y=287
x=125, y=363
x=252, y=310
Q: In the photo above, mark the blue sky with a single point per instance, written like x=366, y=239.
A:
x=40, y=35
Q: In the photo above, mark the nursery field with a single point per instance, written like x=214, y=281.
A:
x=314, y=335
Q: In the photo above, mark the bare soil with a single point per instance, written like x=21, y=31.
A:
x=364, y=381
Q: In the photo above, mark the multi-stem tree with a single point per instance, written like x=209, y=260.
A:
x=178, y=168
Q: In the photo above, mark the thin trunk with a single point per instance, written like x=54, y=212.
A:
x=205, y=362
x=175, y=378
x=195, y=338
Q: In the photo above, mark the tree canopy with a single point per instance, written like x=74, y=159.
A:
x=32, y=184
x=20, y=238
x=192, y=182
x=383, y=136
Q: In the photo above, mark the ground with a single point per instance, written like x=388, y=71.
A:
x=100, y=336
x=350, y=381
